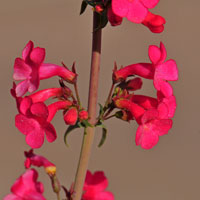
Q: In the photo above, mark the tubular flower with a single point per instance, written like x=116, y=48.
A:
x=134, y=10
x=159, y=70
x=151, y=116
x=39, y=161
x=30, y=69
x=155, y=23
x=94, y=187
x=34, y=116
x=26, y=187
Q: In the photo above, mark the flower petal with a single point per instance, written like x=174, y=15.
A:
x=21, y=70
x=137, y=12
x=146, y=137
x=150, y=3
x=12, y=197
x=27, y=50
x=50, y=132
x=167, y=71
x=162, y=126
x=120, y=7
x=35, y=138
x=22, y=88
x=154, y=54
x=25, y=104
x=25, y=125
x=39, y=110
x=37, y=55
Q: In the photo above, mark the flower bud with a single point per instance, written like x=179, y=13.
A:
x=83, y=115
x=71, y=116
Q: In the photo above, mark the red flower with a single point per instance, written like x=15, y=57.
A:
x=133, y=10
x=159, y=70
x=154, y=123
x=153, y=118
x=26, y=187
x=94, y=187
x=114, y=19
x=30, y=69
x=39, y=161
x=155, y=23
x=34, y=116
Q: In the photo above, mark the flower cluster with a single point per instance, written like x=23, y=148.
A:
x=34, y=118
x=153, y=115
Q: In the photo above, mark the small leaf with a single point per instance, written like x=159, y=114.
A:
x=101, y=109
x=104, y=134
x=83, y=7
x=69, y=129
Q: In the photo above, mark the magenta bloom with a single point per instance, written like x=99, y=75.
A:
x=94, y=187
x=134, y=10
x=30, y=69
x=153, y=118
x=27, y=67
x=152, y=126
x=114, y=19
x=155, y=23
x=26, y=187
x=34, y=116
x=39, y=161
x=159, y=70
x=164, y=70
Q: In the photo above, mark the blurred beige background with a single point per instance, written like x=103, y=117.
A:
x=171, y=170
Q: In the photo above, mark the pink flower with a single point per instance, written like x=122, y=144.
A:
x=114, y=19
x=26, y=187
x=30, y=69
x=155, y=23
x=153, y=118
x=34, y=116
x=159, y=70
x=71, y=116
x=144, y=70
x=164, y=70
x=170, y=102
x=134, y=10
x=94, y=187
x=154, y=123
x=39, y=161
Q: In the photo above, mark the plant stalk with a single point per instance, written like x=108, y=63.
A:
x=92, y=105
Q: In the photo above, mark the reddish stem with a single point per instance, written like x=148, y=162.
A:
x=92, y=104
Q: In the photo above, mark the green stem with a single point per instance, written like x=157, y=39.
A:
x=92, y=104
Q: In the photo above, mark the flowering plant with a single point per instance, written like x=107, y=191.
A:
x=124, y=102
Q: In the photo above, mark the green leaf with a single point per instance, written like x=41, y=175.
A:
x=104, y=134
x=83, y=7
x=69, y=129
